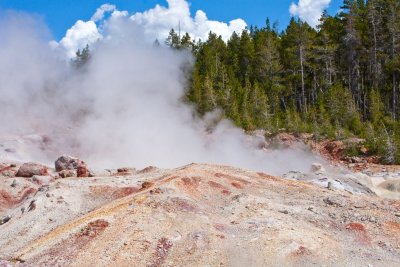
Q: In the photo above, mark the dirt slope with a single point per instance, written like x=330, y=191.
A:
x=200, y=215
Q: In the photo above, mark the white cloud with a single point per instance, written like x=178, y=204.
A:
x=78, y=36
x=156, y=23
x=309, y=10
x=159, y=20
x=99, y=15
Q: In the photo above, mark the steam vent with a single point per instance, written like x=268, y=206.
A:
x=200, y=133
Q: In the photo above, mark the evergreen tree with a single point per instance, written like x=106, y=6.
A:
x=376, y=108
x=337, y=80
x=186, y=42
x=392, y=12
x=173, y=40
x=82, y=57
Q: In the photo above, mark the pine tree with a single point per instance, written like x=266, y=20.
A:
x=82, y=57
x=173, y=40
x=207, y=98
x=340, y=79
x=325, y=49
x=376, y=108
x=186, y=42
x=352, y=44
x=245, y=56
x=258, y=104
x=392, y=12
x=297, y=43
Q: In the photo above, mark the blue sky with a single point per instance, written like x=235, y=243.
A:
x=60, y=15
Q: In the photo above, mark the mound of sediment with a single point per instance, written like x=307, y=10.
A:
x=198, y=215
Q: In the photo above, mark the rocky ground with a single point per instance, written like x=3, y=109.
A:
x=198, y=215
x=344, y=172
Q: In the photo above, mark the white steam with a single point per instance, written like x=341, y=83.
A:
x=124, y=108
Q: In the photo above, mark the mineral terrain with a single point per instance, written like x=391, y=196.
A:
x=196, y=215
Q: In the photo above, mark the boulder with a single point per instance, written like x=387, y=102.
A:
x=125, y=171
x=4, y=220
x=68, y=163
x=7, y=170
x=30, y=169
x=82, y=171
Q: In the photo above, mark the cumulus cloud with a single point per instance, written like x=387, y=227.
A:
x=78, y=36
x=155, y=22
x=158, y=21
x=309, y=10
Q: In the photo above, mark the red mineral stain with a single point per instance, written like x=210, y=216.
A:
x=302, y=251
x=3, y=169
x=112, y=192
x=183, y=205
x=187, y=181
x=82, y=171
x=193, y=182
x=360, y=232
x=189, y=185
x=215, y=185
x=237, y=185
x=231, y=178
x=8, y=201
x=162, y=250
x=226, y=192
x=94, y=228
x=392, y=226
x=123, y=192
x=356, y=227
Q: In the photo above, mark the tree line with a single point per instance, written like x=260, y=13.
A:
x=337, y=80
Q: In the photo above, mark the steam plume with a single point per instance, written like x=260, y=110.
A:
x=124, y=108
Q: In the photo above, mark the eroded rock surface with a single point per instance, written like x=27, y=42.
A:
x=198, y=215
x=30, y=169
x=69, y=166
